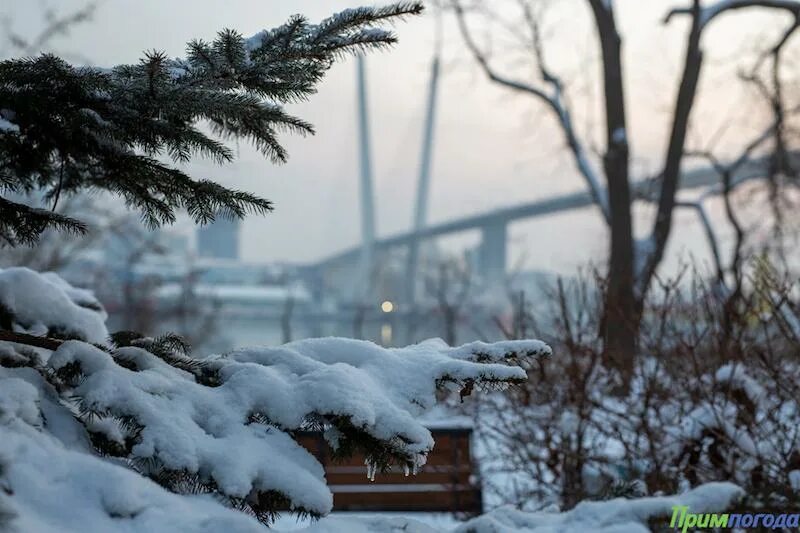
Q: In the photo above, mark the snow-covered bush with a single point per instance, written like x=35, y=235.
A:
x=221, y=427
x=715, y=397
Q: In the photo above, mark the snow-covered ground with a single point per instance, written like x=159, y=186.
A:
x=612, y=516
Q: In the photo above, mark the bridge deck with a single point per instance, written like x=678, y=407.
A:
x=703, y=177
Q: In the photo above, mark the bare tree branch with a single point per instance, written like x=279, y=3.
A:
x=729, y=181
x=672, y=165
x=711, y=236
x=708, y=13
x=55, y=25
x=554, y=99
x=701, y=16
x=30, y=340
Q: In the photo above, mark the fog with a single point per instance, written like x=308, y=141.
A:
x=492, y=148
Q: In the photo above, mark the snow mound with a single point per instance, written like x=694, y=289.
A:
x=618, y=515
x=612, y=516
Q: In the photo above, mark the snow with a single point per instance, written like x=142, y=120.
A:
x=444, y=417
x=314, y=31
x=794, y=480
x=42, y=303
x=613, y=516
x=51, y=488
x=255, y=41
x=7, y=126
x=95, y=116
x=617, y=515
x=204, y=430
x=735, y=375
x=52, y=479
x=489, y=352
x=790, y=318
x=6, y=116
x=369, y=524
x=232, y=432
x=81, y=297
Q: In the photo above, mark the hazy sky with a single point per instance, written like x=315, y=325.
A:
x=492, y=148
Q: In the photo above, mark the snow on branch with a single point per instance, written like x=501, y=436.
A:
x=224, y=425
x=50, y=480
x=235, y=434
x=44, y=304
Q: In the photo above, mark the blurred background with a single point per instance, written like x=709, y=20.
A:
x=480, y=180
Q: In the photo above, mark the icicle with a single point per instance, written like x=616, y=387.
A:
x=406, y=470
x=371, y=469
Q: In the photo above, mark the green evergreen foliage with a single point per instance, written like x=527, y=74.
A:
x=124, y=130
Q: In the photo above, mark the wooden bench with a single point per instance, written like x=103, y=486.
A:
x=445, y=484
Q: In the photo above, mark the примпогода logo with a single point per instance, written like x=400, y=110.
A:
x=684, y=520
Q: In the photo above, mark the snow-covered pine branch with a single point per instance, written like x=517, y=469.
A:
x=50, y=480
x=64, y=129
x=223, y=425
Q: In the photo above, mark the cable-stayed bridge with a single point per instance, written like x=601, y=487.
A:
x=351, y=271
x=493, y=225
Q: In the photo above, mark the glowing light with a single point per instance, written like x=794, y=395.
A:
x=386, y=334
x=387, y=306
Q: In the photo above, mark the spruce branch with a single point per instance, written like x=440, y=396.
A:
x=67, y=129
x=30, y=340
x=22, y=224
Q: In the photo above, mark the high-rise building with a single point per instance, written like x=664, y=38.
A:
x=220, y=239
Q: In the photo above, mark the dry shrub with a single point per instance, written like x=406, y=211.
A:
x=715, y=396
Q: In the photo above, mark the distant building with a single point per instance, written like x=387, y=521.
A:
x=220, y=239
